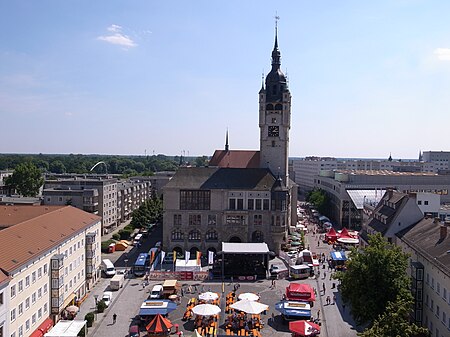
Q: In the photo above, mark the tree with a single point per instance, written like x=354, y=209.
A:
x=319, y=199
x=374, y=276
x=394, y=322
x=57, y=167
x=26, y=179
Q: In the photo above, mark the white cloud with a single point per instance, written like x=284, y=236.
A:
x=117, y=37
x=114, y=28
x=443, y=54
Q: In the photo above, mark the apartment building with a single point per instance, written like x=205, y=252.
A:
x=428, y=243
x=130, y=195
x=48, y=262
x=94, y=194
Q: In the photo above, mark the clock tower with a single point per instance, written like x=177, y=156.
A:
x=275, y=118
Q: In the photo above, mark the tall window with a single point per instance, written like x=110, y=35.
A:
x=177, y=235
x=212, y=219
x=177, y=219
x=235, y=220
x=195, y=200
x=240, y=204
x=211, y=235
x=195, y=219
x=257, y=219
x=258, y=204
x=250, y=204
x=194, y=235
x=232, y=204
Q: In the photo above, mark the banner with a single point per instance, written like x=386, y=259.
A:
x=199, y=255
x=174, y=256
x=187, y=256
x=163, y=255
x=210, y=257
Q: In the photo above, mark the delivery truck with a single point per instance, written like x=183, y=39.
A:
x=116, y=282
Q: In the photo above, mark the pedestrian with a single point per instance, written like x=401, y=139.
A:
x=182, y=292
x=334, y=299
x=323, y=287
x=143, y=285
x=318, y=314
x=324, y=275
x=318, y=243
x=114, y=318
x=328, y=299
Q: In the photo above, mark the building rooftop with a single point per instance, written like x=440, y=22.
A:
x=425, y=237
x=38, y=234
x=235, y=159
x=12, y=215
x=383, y=173
x=222, y=178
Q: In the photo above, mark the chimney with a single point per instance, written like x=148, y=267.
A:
x=443, y=232
x=389, y=192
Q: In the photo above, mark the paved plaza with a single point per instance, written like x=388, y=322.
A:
x=335, y=320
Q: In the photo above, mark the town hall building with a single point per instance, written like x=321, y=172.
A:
x=242, y=196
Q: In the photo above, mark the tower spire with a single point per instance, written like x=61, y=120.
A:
x=276, y=55
x=226, y=142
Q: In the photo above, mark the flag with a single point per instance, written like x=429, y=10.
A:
x=210, y=257
x=174, y=256
x=199, y=255
x=187, y=255
x=163, y=255
x=152, y=257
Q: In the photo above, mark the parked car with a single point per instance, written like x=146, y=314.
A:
x=275, y=269
x=107, y=297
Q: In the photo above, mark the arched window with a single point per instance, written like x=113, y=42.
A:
x=278, y=107
x=194, y=235
x=211, y=235
x=179, y=251
x=235, y=239
x=177, y=235
x=257, y=236
x=269, y=106
x=193, y=252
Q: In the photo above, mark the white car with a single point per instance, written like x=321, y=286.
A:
x=107, y=297
x=292, y=254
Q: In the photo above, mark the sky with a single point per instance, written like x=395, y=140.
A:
x=367, y=78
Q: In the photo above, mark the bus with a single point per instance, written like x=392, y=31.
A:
x=140, y=265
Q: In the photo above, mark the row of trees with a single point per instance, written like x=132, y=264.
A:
x=320, y=200
x=377, y=288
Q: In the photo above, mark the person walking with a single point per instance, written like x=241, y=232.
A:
x=114, y=318
x=328, y=300
x=334, y=299
x=323, y=287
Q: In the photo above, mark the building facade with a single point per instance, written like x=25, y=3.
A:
x=428, y=243
x=97, y=195
x=130, y=195
x=50, y=262
x=243, y=196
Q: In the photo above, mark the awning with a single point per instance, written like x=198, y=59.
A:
x=338, y=256
x=69, y=299
x=43, y=328
x=66, y=329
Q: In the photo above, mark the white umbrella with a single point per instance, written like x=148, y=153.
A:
x=208, y=296
x=206, y=309
x=248, y=296
x=249, y=307
x=72, y=309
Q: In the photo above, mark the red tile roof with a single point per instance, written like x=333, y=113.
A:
x=11, y=215
x=33, y=237
x=235, y=159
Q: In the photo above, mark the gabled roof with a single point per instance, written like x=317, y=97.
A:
x=31, y=238
x=235, y=159
x=11, y=215
x=425, y=237
x=209, y=178
x=386, y=211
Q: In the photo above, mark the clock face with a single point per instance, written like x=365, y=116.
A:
x=273, y=131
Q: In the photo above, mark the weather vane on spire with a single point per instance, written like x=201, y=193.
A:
x=276, y=20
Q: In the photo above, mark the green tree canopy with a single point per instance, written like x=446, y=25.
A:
x=26, y=179
x=374, y=276
x=149, y=212
x=319, y=199
x=394, y=322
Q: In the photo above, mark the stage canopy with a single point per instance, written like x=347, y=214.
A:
x=338, y=256
x=154, y=307
x=245, y=248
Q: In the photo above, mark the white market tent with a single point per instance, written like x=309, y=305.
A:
x=191, y=265
x=66, y=329
x=245, y=248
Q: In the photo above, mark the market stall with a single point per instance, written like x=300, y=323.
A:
x=300, y=292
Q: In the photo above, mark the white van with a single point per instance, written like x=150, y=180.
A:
x=108, y=268
x=137, y=239
x=157, y=292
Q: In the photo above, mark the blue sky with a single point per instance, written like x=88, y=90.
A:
x=127, y=77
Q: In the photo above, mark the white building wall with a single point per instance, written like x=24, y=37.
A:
x=429, y=202
x=29, y=289
x=4, y=305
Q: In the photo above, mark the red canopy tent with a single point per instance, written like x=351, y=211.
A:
x=300, y=292
x=344, y=233
x=304, y=328
x=159, y=326
x=331, y=235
